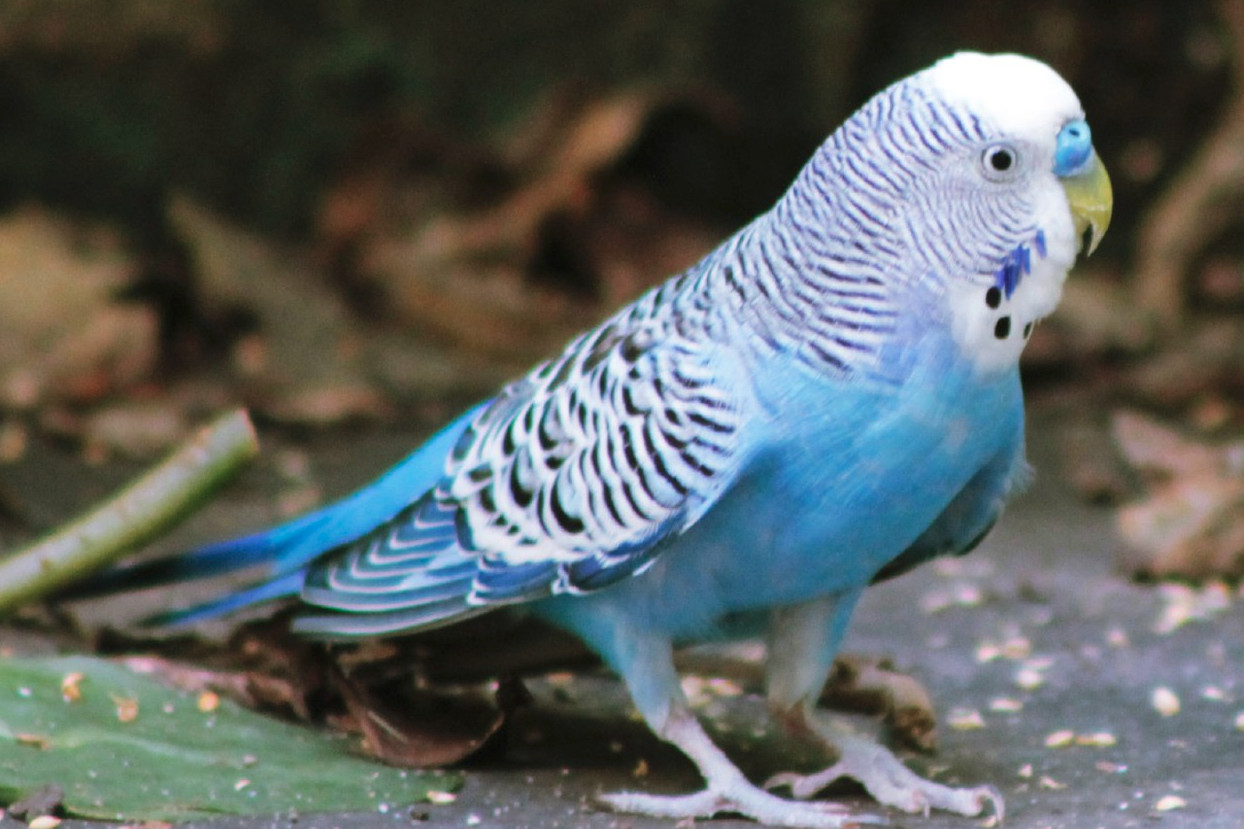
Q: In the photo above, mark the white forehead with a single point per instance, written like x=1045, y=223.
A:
x=1013, y=93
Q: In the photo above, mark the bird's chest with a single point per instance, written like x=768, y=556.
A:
x=851, y=478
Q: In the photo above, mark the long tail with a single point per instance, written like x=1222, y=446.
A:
x=283, y=552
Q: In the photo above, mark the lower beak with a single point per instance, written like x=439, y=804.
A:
x=1092, y=201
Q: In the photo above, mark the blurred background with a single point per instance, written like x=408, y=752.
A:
x=362, y=215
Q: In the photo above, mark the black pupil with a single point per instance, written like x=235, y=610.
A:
x=1000, y=160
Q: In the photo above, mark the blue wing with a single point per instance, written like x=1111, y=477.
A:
x=572, y=479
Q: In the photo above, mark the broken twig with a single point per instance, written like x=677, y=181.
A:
x=137, y=514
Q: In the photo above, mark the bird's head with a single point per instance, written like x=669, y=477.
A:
x=1005, y=190
x=1030, y=135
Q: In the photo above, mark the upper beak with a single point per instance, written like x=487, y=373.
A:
x=1091, y=200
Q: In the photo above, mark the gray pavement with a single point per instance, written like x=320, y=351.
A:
x=1030, y=643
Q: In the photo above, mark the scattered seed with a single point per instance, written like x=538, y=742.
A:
x=987, y=652
x=965, y=719
x=1025, y=771
x=241, y=784
x=40, y=742
x=1184, y=604
x=1117, y=638
x=44, y=822
x=723, y=687
x=1165, y=701
x=641, y=768
x=441, y=798
x=1239, y=721
x=70, y=686
x=208, y=701
x=1101, y=739
x=1016, y=648
x=1060, y=739
x=957, y=595
x=1167, y=803
x=1050, y=783
x=127, y=708
x=1213, y=692
x=1029, y=678
x=1111, y=768
x=1006, y=705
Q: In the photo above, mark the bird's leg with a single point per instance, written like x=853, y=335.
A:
x=802, y=641
x=654, y=686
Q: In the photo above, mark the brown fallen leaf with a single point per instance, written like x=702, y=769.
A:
x=1191, y=522
x=1210, y=356
x=871, y=685
x=66, y=338
x=310, y=368
x=421, y=728
x=1091, y=463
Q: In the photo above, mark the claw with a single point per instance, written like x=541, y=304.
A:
x=745, y=800
x=728, y=791
x=890, y=782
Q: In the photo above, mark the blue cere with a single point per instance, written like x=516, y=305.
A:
x=1073, y=149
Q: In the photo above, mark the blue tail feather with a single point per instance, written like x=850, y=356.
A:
x=287, y=549
x=284, y=587
x=203, y=562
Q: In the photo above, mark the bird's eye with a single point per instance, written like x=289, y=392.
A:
x=999, y=161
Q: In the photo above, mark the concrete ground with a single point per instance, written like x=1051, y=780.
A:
x=1047, y=670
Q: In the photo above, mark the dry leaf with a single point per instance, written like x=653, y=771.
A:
x=65, y=337
x=1191, y=523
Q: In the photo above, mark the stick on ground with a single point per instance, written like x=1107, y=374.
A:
x=142, y=511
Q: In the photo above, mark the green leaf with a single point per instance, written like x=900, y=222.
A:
x=172, y=761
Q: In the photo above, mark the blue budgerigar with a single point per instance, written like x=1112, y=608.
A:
x=829, y=398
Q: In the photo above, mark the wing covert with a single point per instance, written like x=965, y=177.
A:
x=568, y=481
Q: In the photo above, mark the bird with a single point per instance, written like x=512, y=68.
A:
x=828, y=399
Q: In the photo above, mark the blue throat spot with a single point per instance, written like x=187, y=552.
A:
x=1015, y=267
x=1073, y=149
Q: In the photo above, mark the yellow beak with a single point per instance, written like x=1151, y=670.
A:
x=1092, y=201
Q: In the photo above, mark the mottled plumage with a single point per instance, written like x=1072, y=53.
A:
x=828, y=399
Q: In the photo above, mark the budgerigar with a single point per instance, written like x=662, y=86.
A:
x=829, y=398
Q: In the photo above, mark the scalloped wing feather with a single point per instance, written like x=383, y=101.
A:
x=568, y=481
